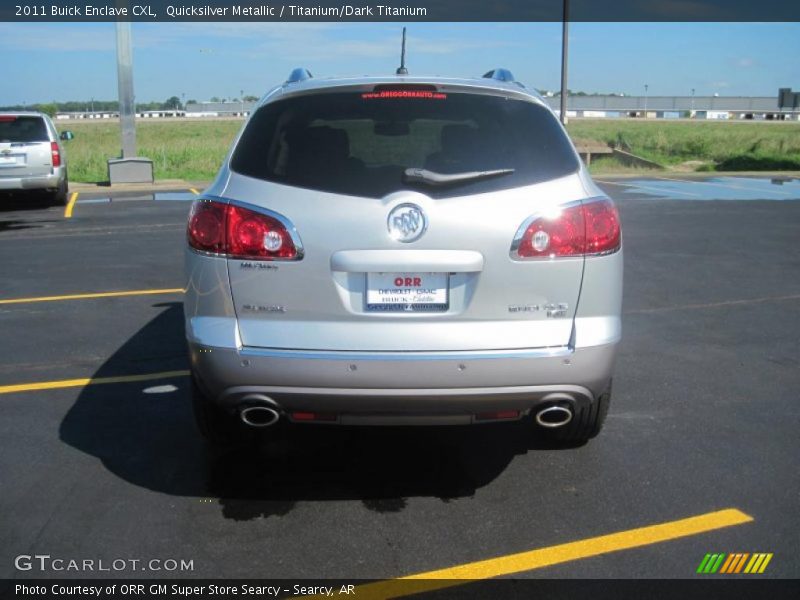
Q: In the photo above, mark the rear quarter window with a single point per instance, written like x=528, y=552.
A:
x=351, y=143
x=22, y=129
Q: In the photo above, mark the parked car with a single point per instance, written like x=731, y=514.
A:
x=32, y=158
x=402, y=250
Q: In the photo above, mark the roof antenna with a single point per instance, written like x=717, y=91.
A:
x=401, y=70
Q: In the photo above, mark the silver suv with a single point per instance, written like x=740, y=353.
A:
x=402, y=251
x=31, y=155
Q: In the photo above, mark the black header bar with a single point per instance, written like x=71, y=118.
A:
x=398, y=11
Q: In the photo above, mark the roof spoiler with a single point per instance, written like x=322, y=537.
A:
x=298, y=75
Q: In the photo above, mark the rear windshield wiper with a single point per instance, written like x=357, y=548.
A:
x=416, y=175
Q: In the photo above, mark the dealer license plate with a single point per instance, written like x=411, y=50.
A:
x=407, y=292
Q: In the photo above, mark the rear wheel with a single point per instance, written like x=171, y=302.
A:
x=59, y=197
x=586, y=422
x=218, y=427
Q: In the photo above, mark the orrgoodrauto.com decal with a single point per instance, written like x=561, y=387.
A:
x=45, y=563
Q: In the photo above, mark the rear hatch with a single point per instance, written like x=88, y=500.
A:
x=24, y=146
x=336, y=165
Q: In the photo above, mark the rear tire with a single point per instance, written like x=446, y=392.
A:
x=59, y=197
x=218, y=427
x=586, y=423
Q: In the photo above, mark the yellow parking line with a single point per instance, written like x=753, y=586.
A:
x=94, y=295
x=551, y=555
x=194, y=191
x=70, y=205
x=67, y=383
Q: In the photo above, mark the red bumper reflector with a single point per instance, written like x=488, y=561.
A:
x=311, y=416
x=497, y=415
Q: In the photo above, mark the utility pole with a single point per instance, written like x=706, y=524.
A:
x=645, y=100
x=564, y=52
x=125, y=89
x=129, y=168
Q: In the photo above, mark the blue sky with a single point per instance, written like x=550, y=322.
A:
x=76, y=61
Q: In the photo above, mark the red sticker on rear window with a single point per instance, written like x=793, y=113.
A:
x=424, y=94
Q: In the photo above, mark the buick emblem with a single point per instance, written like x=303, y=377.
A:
x=406, y=222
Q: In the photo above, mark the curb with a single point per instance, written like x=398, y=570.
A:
x=161, y=185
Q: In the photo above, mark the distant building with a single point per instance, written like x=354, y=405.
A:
x=667, y=107
x=219, y=109
x=595, y=107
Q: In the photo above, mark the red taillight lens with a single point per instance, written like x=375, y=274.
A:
x=238, y=232
x=589, y=228
x=255, y=235
x=603, y=233
x=206, y=229
x=56, y=154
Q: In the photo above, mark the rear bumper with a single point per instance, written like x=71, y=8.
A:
x=409, y=387
x=38, y=182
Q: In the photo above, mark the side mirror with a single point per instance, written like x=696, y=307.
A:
x=66, y=135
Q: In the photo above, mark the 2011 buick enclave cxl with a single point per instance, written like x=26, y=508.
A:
x=403, y=250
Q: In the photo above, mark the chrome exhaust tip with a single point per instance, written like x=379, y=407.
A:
x=259, y=411
x=554, y=416
x=259, y=416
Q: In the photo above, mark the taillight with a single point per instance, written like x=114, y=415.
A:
x=206, y=229
x=603, y=233
x=255, y=235
x=237, y=232
x=585, y=229
x=55, y=153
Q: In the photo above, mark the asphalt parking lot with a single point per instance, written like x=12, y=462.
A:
x=99, y=457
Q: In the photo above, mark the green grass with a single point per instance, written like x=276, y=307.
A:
x=730, y=146
x=190, y=150
x=193, y=150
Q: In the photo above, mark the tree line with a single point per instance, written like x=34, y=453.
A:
x=172, y=103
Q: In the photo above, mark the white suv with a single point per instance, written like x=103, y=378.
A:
x=31, y=155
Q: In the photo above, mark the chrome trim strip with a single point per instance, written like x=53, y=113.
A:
x=406, y=261
x=549, y=352
x=532, y=394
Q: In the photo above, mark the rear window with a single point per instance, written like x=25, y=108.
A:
x=22, y=129
x=361, y=143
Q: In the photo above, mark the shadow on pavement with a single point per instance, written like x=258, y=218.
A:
x=18, y=225
x=144, y=433
x=32, y=200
